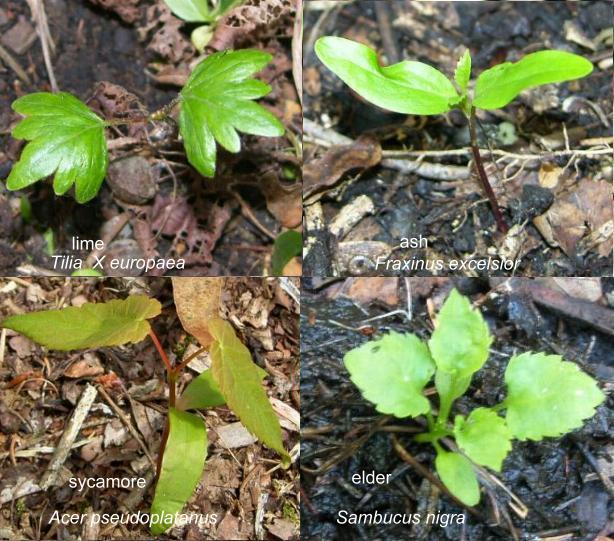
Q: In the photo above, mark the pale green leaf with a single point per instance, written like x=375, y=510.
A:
x=182, y=466
x=499, y=85
x=217, y=102
x=391, y=372
x=89, y=326
x=483, y=437
x=287, y=245
x=195, y=11
x=66, y=140
x=202, y=392
x=407, y=87
x=456, y=472
x=547, y=396
x=463, y=71
x=239, y=382
x=459, y=345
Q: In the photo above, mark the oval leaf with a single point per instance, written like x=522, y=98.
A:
x=391, y=372
x=216, y=102
x=407, y=87
x=202, y=392
x=194, y=11
x=89, y=326
x=459, y=345
x=66, y=140
x=547, y=396
x=483, y=437
x=456, y=472
x=239, y=381
x=499, y=85
x=182, y=465
x=463, y=71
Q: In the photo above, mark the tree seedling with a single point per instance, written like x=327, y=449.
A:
x=67, y=139
x=233, y=379
x=546, y=396
x=415, y=88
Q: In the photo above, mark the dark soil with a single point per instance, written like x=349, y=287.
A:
x=448, y=213
x=554, y=478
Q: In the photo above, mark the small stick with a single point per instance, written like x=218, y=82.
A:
x=185, y=363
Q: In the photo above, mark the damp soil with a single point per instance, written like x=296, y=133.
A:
x=553, y=478
x=454, y=215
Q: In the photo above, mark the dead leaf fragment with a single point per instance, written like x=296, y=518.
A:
x=86, y=367
x=283, y=529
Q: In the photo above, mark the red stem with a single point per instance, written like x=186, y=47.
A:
x=160, y=349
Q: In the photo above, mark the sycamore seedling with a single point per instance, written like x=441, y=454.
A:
x=546, y=396
x=416, y=88
x=67, y=139
x=233, y=380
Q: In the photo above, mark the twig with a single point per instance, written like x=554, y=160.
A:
x=385, y=28
x=247, y=212
x=42, y=29
x=8, y=59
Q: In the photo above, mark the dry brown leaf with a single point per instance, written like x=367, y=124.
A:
x=283, y=202
x=88, y=366
x=197, y=300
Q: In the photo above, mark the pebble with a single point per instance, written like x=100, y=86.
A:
x=131, y=180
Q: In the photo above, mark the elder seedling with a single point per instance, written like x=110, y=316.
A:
x=67, y=139
x=233, y=379
x=546, y=396
x=416, y=88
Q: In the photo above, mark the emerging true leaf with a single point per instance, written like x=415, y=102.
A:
x=547, y=396
x=89, y=326
x=202, y=392
x=216, y=102
x=391, y=372
x=240, y=383
x=66, y=140
x=456, y=472
x=463, y=71
x=483, y=437
x=499, y=85
x=459, y=345
x=182, y=466
x=190, y=10
x=407, y=87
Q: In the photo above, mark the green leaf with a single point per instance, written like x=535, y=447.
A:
x=459, y=345
x=195, y=11
x=499, y=85
x=407, y=87
x=286, y=246
x=89, y=326
x=216, y=102
x=483, y=437
x=239, y=381
x=182, y=466
x=463, y=71
x=87, y=272
x=391, y=372
x=202, y=392
x=66, y=140
x=456, y=472
x=547, y=396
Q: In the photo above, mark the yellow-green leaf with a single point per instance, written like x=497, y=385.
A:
x=463, y=71
x=240, y=383
x=182, y=466
x=456, y=472
x=89, y=326
x=202, y=392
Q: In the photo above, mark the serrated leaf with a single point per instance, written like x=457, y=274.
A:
x=456, y=472
x=182, y=466
x=408, y=87
x=89, y=326
x=547, y=396
x=459, y=345
x=66, y=140
x=463, y=71
x=287, y=245
x=240, y=383
x=391, y=372
x=216, y=102
x=483, y=437
x=194, y=11
x=499, y=85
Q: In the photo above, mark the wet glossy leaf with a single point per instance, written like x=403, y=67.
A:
x=182, y=465
x=391, y=372
x=456, y=472
x=217, y=102
x=463, y=71
x=499, y=85
x=287, y=245
x=66, y=140
x=190, y=10
x=240, y=383
x=407, y=87
x=89, y=326
x=547, y=396
x=459, y=345
x=483, y=437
